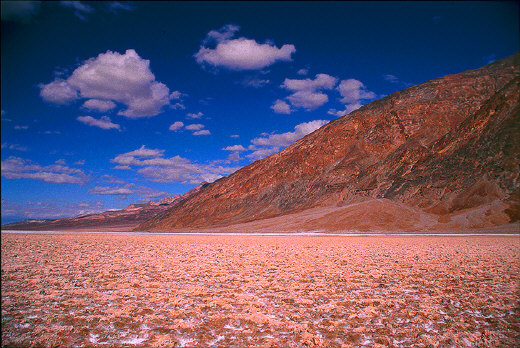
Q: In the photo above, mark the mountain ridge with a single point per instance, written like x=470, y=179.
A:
x=384, y=150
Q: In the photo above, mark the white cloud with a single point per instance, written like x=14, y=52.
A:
x=321, y=81
x=152, y=164
x=194, y=126
x=354, y=93
x=193, y=115
x=302, y=72
x=306, y=92
x=234, y=136
x=176, y=126
x=99, y=105
x=19, y=168
x=19, y=10
x=79, y=163
x=234, y=148
x=241, y=53
x=265, y=146
x=281, y=107
x=17, y=127
x=111, y=76
x=104, y=122
x=58, y=91
x=202, y=132
x=80, y=9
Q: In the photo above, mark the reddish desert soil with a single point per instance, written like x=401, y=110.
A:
x=149, y=290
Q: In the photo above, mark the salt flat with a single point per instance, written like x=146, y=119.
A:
x=206, y=290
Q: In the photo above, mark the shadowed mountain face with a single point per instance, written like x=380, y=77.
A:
x=114, y=220
x=447, y=150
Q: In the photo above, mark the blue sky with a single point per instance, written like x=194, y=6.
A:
x=109, y=103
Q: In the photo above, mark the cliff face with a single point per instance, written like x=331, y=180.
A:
x=442, y=147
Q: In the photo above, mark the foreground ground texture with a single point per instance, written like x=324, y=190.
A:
x=150, y=290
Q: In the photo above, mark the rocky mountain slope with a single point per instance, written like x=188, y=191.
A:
x=114, y=220
x=444, y=154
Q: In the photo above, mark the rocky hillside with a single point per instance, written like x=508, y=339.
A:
x=113, y=220
x=446, y=150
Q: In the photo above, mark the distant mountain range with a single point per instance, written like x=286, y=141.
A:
x=442, y=155
x=112, y=220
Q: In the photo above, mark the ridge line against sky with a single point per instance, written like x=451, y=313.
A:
x=109, y=103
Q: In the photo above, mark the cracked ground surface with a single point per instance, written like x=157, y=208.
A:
x=162, y=290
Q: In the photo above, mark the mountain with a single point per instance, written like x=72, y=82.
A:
x=114, y=220
x=441, y=155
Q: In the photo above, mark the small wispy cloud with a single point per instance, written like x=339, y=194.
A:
x=80, y=9
x=14, y=147
x=117, y=6
x=104, y=122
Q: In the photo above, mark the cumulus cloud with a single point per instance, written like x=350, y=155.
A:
x=19, y=168
x=58, y=91
x=353, y=93
x=104, y=122
x=152, y=164
x=281, y=107
x=176, y=126
x=202, y=132
x=194, y=126
x=240, y=53
x=306, y=93
x=302, y=72
x=19, y=11
x=111, y=76
x=270, y=144
x=50, y=210
x=234, y=148
x=80, y=9
x=144, y=193
x=99, y=105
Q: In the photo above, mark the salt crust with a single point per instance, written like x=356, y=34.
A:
x=134, y=290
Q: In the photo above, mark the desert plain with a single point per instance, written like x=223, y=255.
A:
x=112, y=290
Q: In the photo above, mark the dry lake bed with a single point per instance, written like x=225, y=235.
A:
x=68, y=290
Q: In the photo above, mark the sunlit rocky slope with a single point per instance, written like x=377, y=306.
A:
x=440, y=155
